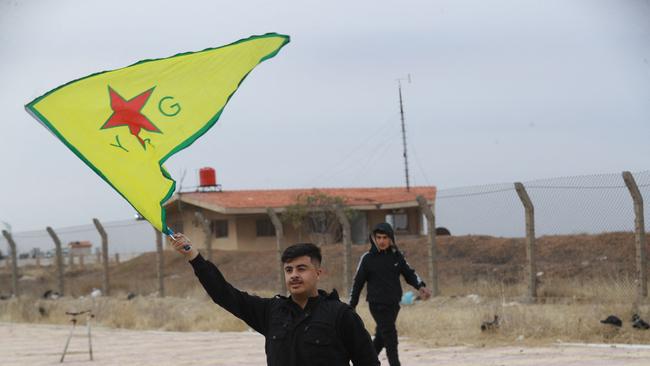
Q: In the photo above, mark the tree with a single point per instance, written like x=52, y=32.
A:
x=316, y=213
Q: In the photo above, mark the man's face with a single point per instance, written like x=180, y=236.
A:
x=301, y=276
x=382, y=241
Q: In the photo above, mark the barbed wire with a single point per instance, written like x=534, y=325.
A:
x=588, y=203
x=443, y=196
x=75, y=229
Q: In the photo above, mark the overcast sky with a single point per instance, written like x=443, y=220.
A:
x=501, y=91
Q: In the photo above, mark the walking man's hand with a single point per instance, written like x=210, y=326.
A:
x=424, y=293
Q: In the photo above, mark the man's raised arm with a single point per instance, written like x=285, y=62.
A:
x=253, y=310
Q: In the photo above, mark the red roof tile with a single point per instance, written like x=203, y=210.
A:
x=261, y=199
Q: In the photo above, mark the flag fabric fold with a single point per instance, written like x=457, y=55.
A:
x=125, y=123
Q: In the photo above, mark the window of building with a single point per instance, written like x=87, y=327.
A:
x=319, y=223
x=264, y=227
x=399, y=221
x=219, y=228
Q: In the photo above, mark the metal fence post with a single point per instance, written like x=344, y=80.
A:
x=207, y=232
x=530, y=240
x=104, y=236
x=14, y=262
x=428, y=212
x=278, y=237
x=59, y=258
x=160, y=263
x=639, y=230
x=347, y=249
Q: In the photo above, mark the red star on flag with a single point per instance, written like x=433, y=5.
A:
x=128, y=113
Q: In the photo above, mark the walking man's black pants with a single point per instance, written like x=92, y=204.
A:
x=386, y=332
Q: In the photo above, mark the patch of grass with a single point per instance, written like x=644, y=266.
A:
x=442, y=321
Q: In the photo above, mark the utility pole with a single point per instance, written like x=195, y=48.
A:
x=401, y=112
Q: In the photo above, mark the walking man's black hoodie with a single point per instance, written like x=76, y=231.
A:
x=381, y=270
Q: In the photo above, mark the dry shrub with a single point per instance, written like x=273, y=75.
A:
x=585, y=278
x=173, y=314
x=605, y=290
x=456, y=321
x=443, y=321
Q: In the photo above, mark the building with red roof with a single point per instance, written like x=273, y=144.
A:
x=239, y=219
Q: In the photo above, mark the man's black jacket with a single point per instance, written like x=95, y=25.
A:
x=326, y=332
x=381, y=270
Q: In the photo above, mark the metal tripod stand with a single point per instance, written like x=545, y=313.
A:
x=89, y=317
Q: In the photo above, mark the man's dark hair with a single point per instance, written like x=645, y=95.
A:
x=380, y=231
x=383, y=228
x=298, y=250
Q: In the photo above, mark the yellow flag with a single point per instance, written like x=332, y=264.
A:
x=126, y=123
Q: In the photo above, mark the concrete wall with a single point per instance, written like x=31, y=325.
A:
x=415, y=220
x=375, y=217
x=248, y=239
x=229, y=242
x=292, y=236
x=247, y=234
x=193, y=230
x=80, y=251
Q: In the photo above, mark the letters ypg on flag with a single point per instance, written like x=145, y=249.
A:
x=126, y=123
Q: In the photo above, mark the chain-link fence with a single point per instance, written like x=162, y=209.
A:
x=81, y=248
x=584, y=238
x=584, y=229
x=127, y=237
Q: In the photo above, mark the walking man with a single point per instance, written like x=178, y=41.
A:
x=309, y=327
x=381, y=268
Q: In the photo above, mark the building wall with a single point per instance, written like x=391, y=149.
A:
x=376, y=217
x=81, y=251
x=242, y=231
x=414, y=221
x=248, y=240
x=194, y=231
x=224, y=243
x=247, y=234
x=292, y=235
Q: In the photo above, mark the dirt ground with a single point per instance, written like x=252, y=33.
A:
x=30, y=344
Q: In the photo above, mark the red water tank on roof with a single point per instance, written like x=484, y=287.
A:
x=207, y=177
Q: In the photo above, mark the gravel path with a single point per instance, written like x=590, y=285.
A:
x=37, y=344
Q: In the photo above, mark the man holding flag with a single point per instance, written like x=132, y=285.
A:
x=309, y=327
x=125, y=123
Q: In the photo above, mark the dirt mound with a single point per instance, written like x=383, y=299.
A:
x=460, y=258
